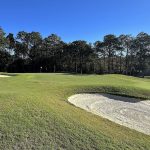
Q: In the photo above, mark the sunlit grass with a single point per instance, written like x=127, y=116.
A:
x=35, y=114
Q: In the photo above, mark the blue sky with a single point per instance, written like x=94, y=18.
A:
x=76, y=19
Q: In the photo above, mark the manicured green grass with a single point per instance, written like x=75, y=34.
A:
x=35, y=114
x=148, y=77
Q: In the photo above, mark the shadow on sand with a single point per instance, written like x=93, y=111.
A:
x=122, y=98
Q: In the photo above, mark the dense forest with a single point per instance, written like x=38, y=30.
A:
x=29, y=52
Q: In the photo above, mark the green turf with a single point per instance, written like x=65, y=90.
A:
x=35, y=114
x=148, y=77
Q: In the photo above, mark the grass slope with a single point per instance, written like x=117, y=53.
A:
x=35, y=114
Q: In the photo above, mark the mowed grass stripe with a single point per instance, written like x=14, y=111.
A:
x=35, y=114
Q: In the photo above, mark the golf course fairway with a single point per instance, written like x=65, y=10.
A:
x=35, y=113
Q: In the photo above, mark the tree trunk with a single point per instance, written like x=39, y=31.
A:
x=127, y=63
x=104, y=62
x=112, y=64
x=109, y=59
x=131, y=63
x=54, y=68
x=94, y=67
x=81, y=64
x=76, y=66
x=121, y=62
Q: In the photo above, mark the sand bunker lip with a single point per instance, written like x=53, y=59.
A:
x=4, y=76
x=128, y=112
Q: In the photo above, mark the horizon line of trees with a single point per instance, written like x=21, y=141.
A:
x=29, y=52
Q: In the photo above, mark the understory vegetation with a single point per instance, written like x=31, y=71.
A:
x=35, y=113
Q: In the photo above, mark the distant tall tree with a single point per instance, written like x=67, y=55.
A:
x=53, y=47
x=11, y=42
x=27, y=44
x=23, y=44
x=69, y=58
x=2, y=40
x=126, y=42
x=100, y=48
x=81, y=50
x=4, y=55
x=142, y=45
x=35, y=44
x=111, y=43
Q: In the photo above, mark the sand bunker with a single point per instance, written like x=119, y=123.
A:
x=4, y=76
x=125, y=111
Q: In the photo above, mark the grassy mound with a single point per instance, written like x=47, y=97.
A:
x=35, y=114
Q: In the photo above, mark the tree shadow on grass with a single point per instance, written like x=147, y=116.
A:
x=78, y=74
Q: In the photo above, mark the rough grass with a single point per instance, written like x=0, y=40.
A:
x=35, y=114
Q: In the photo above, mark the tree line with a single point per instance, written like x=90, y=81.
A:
x=30, y=52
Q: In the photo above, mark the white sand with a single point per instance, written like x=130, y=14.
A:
x=4, y=76
x=122, y=110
